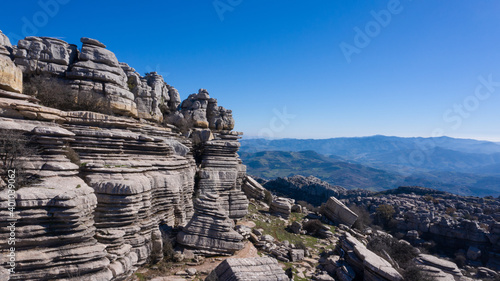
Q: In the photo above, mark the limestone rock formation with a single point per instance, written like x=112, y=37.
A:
x=337, y=212
x=43, y=55
x=54, y=215
x=97, y=69
x=371, y=265
x=438, y=268
x=253, y=189
x=105, y=185
x=221, y=171
x=210, y=231
x=299, y=187
x=281, y=207
x=247, y=269
x=10, y=75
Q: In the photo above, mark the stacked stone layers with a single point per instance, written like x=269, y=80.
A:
x=371, y=266
x=153, y=96
x=54, y=227
x=438, y=268
x=210, y=231
x=281, y=207
x=43, y=55
x=261, y=269
x=221, y=173
x=142, y=176
x=129, y=177
x=139, y=183
x=253, y=189
x=11, y=77
x=337, y=212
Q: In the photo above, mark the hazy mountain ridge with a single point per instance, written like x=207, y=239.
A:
x=375, y=163
x=403, y=155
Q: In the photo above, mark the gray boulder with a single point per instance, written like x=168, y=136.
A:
x=247, y=269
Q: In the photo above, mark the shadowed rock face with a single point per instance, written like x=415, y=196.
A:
x=107, y=183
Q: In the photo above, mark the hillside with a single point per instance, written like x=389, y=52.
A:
x=402, y=155
x=273, y=164
x=336, y=171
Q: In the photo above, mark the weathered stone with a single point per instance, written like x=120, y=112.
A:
x=337, y=212
x=281, y=207
x=264, y=268
x=253, y=189
x=210, y=231
x=11, y=77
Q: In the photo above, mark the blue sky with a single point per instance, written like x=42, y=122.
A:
x=423, y=68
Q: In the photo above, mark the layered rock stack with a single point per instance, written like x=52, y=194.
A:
x=253, y=189
x=138, y=180
x=367, y=263
x=281, y=207
x=210, y=231
x=264, y=268
x=337, y=212
x=11, y=77
x=220, y=173
x=54, y=225
x=43, y=55
x=438, y=268
x=107, y=184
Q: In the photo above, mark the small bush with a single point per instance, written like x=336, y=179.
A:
x=364, y=220
x=401, y=253
x=14, y=146
x=313, y=226
x=168, y=250
x=460, y=260
x=72, y=156
x=384, y=214
x=55, y=93
x=268, y=197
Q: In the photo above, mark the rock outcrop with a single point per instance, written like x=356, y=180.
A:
x=105, y=185
x=337, y=212
x=438, y=268
x=11, y=77
x=264, y=268
x=299, y=188
x=281, y=207
x=43, y=55
x=253, y=189
x=210, y=231
x=366, y=262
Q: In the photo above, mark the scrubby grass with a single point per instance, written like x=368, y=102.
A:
x=277, y=228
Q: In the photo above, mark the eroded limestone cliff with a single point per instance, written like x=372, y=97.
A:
x=103, y=186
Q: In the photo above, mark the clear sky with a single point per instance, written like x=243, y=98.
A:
x=304, y=69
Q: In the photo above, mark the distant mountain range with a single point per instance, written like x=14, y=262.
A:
x=461, y=166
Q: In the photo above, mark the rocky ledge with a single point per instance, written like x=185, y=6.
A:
x=103, y=187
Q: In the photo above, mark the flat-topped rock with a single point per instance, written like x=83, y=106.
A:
x=90, y=41
x=246, y=269
x=337, y=212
